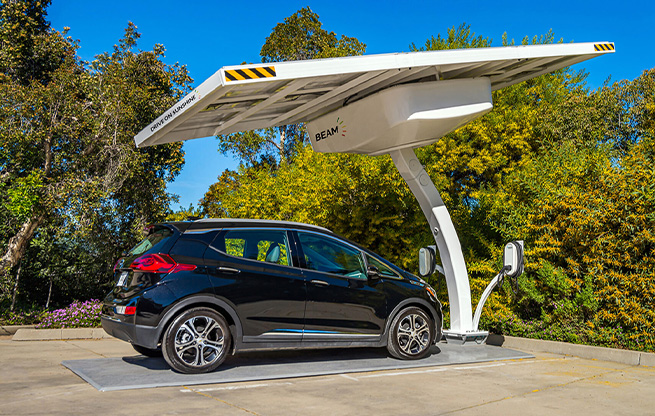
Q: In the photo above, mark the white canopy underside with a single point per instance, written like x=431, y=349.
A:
x=256, y=96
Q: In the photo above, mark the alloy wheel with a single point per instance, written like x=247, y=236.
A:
x=413, y=334
x=199, y=341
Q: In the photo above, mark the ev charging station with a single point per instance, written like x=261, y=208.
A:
x=375, y=105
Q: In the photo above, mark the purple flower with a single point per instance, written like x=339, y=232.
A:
x=76, y=315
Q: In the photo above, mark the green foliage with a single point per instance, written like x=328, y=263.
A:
x=586, y=207
x=456, y=38
x=31, y=317
x=75, y=189
x=22, y=195
x=252, y=147
x=302, y=36
x=25, y=53
x=185, y=214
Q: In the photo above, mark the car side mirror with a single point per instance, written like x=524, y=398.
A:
x=426, y=261
x=372, y=272
x=513, y=258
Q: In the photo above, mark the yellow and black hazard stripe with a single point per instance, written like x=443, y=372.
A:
x=601, y=47
x=249, y=73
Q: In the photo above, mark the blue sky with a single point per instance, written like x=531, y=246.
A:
x=207, y=35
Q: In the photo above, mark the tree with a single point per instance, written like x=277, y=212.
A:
x=300, y=37
x=460, y=38
x=584, y=206
x=68, y=163
x=37, y=90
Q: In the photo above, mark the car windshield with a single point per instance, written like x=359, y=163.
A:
x=152, y=243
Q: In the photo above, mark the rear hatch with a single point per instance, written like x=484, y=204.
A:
x=128, y=281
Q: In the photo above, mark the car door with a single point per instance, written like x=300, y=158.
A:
x=342, y=303
x=253, y=269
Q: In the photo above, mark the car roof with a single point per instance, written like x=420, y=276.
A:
x=213, y=223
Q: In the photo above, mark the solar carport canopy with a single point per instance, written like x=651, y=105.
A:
x=256, y=96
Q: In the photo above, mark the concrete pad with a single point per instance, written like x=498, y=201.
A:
x=141, y=372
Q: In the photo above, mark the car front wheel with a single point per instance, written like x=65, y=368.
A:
x=411, y=334
x=197, y=341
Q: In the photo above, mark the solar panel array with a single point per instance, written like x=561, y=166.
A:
x=256, y=96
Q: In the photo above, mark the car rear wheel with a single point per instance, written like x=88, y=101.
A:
x=148, y=352
x=197, y=341
x=411, y=335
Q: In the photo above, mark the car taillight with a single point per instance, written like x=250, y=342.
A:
x=159, y=263
x=126, y=310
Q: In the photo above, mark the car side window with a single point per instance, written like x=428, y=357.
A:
x=383, y=268
x=329, y=255
x=270, y=246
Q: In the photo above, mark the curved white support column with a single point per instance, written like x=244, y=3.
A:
x=443, y=230
x=483, y=299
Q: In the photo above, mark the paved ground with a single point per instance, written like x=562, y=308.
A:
x=32, y=381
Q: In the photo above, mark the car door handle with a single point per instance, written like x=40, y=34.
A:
x=320, y=282
x=228, y=270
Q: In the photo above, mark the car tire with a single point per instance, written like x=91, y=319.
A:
x=148, y=352
x=411, y=334
x=197, y=341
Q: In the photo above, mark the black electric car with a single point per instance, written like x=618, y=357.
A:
x=197, y=291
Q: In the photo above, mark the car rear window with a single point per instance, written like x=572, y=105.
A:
x=269, y=246
x=153, y=243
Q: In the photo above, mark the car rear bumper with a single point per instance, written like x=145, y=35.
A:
x=146, y=336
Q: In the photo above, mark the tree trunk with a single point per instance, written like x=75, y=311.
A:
x=47, y=302
x=17, y=245
x=283, y=137
x=15, y=292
